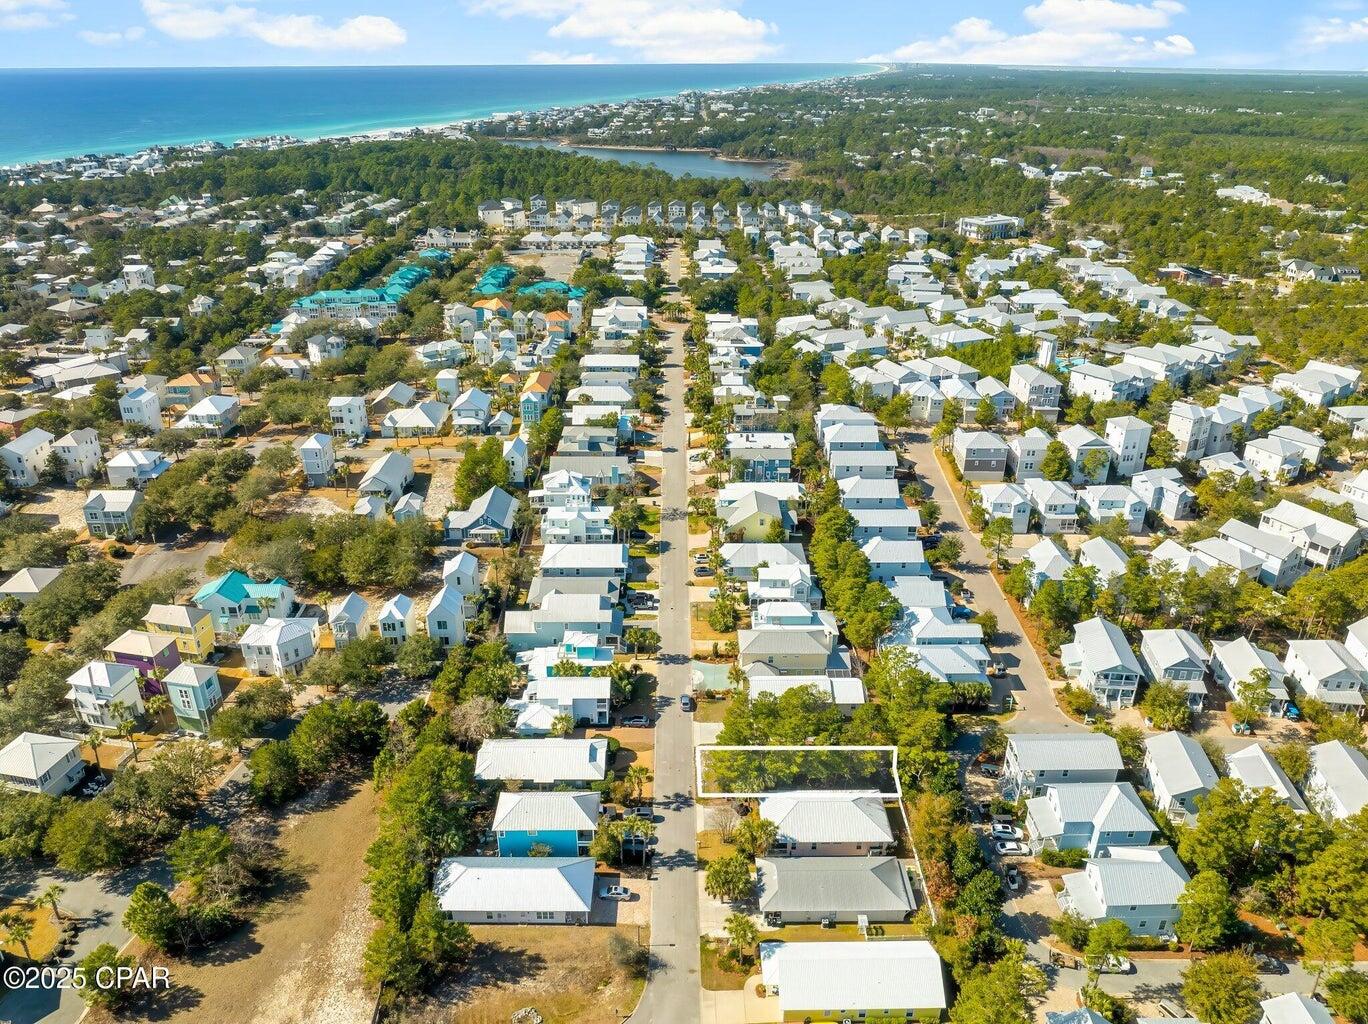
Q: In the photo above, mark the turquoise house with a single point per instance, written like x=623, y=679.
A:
x=551, y=824
x=235, y=600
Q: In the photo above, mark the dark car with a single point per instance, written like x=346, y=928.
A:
x=704, y=570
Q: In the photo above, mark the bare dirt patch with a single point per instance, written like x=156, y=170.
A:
x=566, y=973
x=299, y=961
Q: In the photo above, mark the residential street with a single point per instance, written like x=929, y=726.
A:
x=671, y=995
x=1026, y=679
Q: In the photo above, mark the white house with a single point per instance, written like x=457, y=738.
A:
x=100, y=689
x=1233, y=664
x=345, y=617
x=278, y=647
x=141, y=405
x=136, y=467
x=214, y=414
x=1337, y=784
x=446, y=616
x=110, y=513
x=1101, y=660
x=1128, y=438
x=26, y=457
x=35, y=763
x=1037, y=760
x=1177, y=771
x=1137, y=885
x=1176, y=656
x=317, y=458
x=397, y=619
x=348, y=415
x=1325, y=670
x=516, y=890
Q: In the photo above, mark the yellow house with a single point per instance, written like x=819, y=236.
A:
x=192, y=628
x=870, y=982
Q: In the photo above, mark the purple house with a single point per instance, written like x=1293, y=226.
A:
x=152, y=654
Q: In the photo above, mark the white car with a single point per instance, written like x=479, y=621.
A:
x=1009, y=848
x=1001, y=831
x=614, y=892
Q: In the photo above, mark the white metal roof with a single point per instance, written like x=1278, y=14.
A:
x=515, y=884
x=854, y=975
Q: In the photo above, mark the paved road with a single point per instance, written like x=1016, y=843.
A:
x=1026, y=678
x=671, y=995
x=154, y=559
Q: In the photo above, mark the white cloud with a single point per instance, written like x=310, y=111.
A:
x=560, y=57
x=1088, y=32
x=187, y=20
x=22, y=15
x=684, y=31
x=1320, y=33
x=130, y=35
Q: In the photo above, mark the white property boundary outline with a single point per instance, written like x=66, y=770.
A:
x=897, y=795
x=702, y=748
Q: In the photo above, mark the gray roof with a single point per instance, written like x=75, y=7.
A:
x=1107, y=806
x=496, y=503
x=546, y=812
x=1255, y=768
x=542, y=760
x=1129, y=876
x=1344, y=771
x=858, y=884
x=1103, y=646
x=1051, y=751
x=1180, y=762
x=818, y=817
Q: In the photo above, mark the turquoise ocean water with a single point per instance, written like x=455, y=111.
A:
x=50, y=114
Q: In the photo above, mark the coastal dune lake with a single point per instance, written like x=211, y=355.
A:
x=674, y=161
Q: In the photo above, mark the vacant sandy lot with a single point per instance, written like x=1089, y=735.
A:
x=300, y=961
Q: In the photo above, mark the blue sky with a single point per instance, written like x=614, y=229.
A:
x=1318, y=34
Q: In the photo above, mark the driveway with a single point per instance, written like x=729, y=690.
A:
x=98, y=902
x=154, y=559
x=672, y=991
x=1026, y=678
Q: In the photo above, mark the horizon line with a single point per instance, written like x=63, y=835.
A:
x=854, y=62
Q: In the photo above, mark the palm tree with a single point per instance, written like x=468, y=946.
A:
x=19, y=928
x=157, y=706
x=92, y=738
x=637, y=776
x=124, y=722
x=50, y=897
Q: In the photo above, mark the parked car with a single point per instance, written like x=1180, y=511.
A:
x=1003, y=831
x=1115, y=965
x=1269, y=964
x=636, y=722
x=614, y=892
x=700, y=557
x=95, y=786
x=686, y=702
x=704, y=571
x=641, y=812
x=1010, y=848
x=991, y=770
x=1013, y=879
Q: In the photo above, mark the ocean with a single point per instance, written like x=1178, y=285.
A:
x=62, y=113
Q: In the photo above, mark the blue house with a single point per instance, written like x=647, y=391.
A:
x=563, y=823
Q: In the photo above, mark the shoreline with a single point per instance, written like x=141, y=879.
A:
x=379, y=132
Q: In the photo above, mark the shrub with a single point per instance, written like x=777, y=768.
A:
x=1063, y=858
